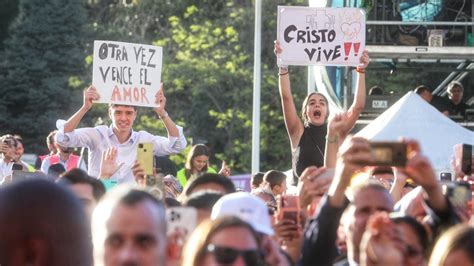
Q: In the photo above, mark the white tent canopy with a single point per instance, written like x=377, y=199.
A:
x=413, y=118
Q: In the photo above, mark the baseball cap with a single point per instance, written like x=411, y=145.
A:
x=247, y=207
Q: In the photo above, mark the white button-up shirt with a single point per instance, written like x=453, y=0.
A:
x=99, y=139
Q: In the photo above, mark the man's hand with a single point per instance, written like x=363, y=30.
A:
x=160, y=99
x=381, y=243
x=4, y=148
x=108, y=164
x=419, y=169
x=139, y=174
x=90, y=95
x=354, y=154
x=310, y=186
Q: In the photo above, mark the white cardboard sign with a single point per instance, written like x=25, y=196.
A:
x=321, y=36
x=127, y=73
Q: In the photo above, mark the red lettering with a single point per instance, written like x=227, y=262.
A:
x=136, y=94
x=116, y=94
x=127, y=94
x=144, y=98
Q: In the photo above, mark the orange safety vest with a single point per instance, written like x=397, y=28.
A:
x=71, y=162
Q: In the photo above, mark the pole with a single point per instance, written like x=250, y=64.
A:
x=256, y=88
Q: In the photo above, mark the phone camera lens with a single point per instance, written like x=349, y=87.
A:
x=140, y=145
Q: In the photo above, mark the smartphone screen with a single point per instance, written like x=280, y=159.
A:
x=466, y=161
x=459, y=193
x=145, y=157
x=389, y=153
x=155, y=182
x=288, y=208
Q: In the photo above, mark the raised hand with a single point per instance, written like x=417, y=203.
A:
x=311, y=186
x=90, y=95
x=364, y=60
x=381, y=244
x=225, y=170
x=277, y=48
x=139, y=174
x=354, y=154
x=108, y=163
x=160, y=99
x=339, y=125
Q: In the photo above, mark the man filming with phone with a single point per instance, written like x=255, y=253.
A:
x=119, y=135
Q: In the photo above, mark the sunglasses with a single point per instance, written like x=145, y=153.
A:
x=227, y=255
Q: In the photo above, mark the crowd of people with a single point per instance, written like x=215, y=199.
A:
x=339, y=207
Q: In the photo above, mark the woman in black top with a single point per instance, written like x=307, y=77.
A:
x=308, y=137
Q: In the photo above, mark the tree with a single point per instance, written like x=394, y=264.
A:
x=44, y=57
x=208, y=73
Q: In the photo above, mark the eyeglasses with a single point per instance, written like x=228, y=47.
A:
x=227, y=255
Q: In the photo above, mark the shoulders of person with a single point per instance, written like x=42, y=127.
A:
x=145, y=135
x=181, y=176
x=211, y=170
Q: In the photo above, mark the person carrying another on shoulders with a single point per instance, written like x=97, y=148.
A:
x=308, y=137
x=51, y=148
x=119, y=135
x=65, y=157
x=197, y=164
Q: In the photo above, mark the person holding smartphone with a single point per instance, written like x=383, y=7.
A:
x=120, y=135
x=8, y=145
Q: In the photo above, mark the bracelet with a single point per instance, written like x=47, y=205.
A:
x=360, y=70
x=282, y=74
x=332, y=140
x=163, y=116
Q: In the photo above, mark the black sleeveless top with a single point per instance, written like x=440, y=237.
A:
x=310, y=150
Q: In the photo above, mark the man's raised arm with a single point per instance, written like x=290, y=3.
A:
x=90, y=95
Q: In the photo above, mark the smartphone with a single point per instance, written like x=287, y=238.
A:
x=458, y=193
x=145, y=157
x=155, y=182
x=466, y=160
x=17, y=167
x=289, y=208
x=389, y=153
x=445, y=176
x=181, y=222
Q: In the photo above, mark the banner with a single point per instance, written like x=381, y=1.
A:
x=320, y=36
x=127, y=73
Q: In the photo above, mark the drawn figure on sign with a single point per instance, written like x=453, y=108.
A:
x=326, y=21
x=351, y=28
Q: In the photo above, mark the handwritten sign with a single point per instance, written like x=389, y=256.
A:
x=127, y=73
x=321, y=36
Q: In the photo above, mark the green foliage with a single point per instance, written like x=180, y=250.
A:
x=43, y=55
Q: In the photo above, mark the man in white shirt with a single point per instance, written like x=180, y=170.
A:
x=120, y=135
